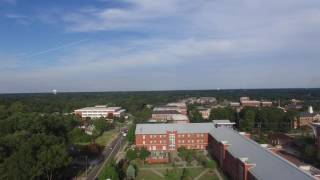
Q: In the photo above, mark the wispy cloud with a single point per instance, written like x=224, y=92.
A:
x=225, y=44
x=41, y=52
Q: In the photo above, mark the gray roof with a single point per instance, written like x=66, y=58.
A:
x=165, y=112
x=222, y=122
x=181, y=128
x=267, y=165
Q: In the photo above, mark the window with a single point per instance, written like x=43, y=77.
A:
x=143, y=142
x=164, y=148
x=143, y=137
x=172, y=141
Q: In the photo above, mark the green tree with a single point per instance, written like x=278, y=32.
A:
x=131, y=154
x=196, y=117
x=223, y=113
x=310, y=151
x=109, y=172
x=17, y=107
x=248, y=120
x=131, y=134
x=144, y=153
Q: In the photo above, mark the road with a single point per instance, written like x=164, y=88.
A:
x=108, y=153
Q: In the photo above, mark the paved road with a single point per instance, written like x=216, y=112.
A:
x=108, y=153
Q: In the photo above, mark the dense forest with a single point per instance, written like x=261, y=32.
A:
x=133, y=101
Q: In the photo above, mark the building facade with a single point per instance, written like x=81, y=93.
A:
x=100, y=111
x=238, y=156
x=205, y=112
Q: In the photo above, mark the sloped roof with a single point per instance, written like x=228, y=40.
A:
x=181, y=128
x=267, y=164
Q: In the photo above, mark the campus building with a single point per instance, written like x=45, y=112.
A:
x=239, y=157
x=170, y=113
x=100, y=111
x=205, y=112
x=306, y=118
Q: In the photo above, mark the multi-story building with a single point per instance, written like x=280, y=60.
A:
x=306, y=118
x=250, y=103
x=246, y=102
x=206, y=100
x=162, y=138
x=163, y=115
x=172, y=107
x=266, y=103
x=205, y=112
x=100, y=111
x=239, y=157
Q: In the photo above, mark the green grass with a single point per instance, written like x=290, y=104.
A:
x=148, y=175
x=194, y=172
x=210, y=175
x=106, y=137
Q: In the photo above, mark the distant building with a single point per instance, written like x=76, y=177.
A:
x=178, y=118
x=223, y=123
x=306, y=118
x=163, y=115
x=205, y=112
x=180, y=107
x=266, y=103
x=235, y=104
x=250, y=103
x=295, y=107
x=206, y=100
x=238, y=156
x=100, y=111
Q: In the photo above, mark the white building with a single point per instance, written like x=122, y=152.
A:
x=100, y=111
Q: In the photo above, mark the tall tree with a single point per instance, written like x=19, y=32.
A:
x=223, y=113
x=109, y=172
x=248, y=120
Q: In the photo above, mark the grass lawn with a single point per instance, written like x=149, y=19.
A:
x=147, y=175
x=107, y=137
x=210, y=175
x=194, y=172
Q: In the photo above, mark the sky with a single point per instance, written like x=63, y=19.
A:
x=123, y=45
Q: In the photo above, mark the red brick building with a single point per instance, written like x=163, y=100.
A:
x=239, y=157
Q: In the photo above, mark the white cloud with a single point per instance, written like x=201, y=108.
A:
x=241, y=44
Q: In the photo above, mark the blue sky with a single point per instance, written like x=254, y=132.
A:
x=107, y=45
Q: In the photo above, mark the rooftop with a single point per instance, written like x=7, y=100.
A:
x=267, y=164
x=165, y=112
x=99, y=108
x=181, y=128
